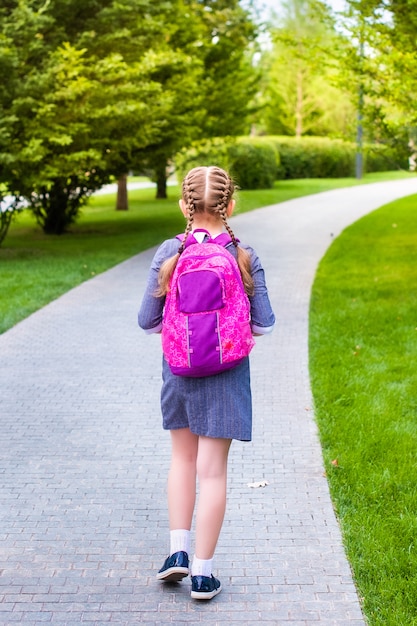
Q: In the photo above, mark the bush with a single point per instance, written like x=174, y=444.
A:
x=379, y=157
x=252, y=162
x=314, y=157
x=321, y=157
x=256, y=162
x=203, y=153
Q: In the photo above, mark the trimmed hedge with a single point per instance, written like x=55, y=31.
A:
x=314, y=157
x=202, y=153
x=256, y=162
x=252, y=162
x=321, y=157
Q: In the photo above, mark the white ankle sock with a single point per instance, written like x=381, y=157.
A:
x=179, y=541
x=201, y=567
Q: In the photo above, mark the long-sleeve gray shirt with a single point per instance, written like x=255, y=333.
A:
x=150, y=314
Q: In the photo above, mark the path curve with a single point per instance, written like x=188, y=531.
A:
x=84, y=459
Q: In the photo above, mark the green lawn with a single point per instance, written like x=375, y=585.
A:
x=36, y=268
x=363, y=354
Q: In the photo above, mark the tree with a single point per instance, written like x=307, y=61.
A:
x=230, y=80
x=301, y=88
x=385, y=69
x=97, y=88
x=218, y=36
x=181, y=118
x=77, y=120
x=77, y=107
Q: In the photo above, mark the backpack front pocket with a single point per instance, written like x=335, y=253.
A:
x=200, y=291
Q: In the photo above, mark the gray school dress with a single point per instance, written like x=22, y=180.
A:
x=217, y=406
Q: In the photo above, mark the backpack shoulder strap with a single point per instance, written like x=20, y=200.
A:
x=224, y=239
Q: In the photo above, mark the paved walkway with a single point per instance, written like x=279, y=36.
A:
x=84, y=459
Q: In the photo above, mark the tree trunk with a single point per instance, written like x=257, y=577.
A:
x=58, y=210
x=5, y=219
x=122, y=200
x=299, y=106
x=161, y=181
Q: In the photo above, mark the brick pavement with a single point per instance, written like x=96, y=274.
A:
x=84, y=459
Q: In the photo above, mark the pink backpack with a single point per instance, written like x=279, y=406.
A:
x=206, y=321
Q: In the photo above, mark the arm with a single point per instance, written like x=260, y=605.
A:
x=150, y=313
x=262, y=315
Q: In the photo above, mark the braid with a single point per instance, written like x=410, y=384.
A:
x=222, y=186
x=243, y=258
x=167, y=268
x=187, y=192
x=223, y=204
x=228, y=227
x=187, y=231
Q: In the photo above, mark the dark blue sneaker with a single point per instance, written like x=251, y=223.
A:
x=205, y=587
x=175, y=568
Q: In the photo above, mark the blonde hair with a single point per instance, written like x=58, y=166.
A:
x=207, y=190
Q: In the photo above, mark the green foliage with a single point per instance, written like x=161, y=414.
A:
x=252, y=162
x=314, y=157
x=363, y=347
x=382, y=157
x=229, y=81
x=301, y=90
x=203, y=153
x=76, y=106
x=97, y=88
x=383, y=66
x=321, y=157
x=255, y=162
x=219, y=39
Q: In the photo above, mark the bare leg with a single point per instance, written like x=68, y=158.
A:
x=212, y=477
x=182, y=478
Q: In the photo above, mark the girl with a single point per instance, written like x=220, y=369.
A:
x=203, y=414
